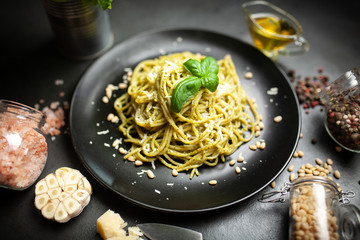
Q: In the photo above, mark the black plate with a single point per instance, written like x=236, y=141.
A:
x=180, y=194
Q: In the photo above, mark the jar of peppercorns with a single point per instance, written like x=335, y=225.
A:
x=23, y=145
x=342, y=114
x=318, y=209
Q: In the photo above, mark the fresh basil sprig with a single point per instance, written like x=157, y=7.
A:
x=104, y=4
x=204, y=74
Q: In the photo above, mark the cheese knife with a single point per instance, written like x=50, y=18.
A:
x=158, y=231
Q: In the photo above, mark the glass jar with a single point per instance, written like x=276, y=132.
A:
x=319, y=210
x=342, y=114
x=23, y=145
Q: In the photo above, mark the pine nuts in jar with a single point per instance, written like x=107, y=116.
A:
x=318, y=209
x=314, y=210
x=23, y=145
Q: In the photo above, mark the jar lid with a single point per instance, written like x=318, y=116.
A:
x=349, y=222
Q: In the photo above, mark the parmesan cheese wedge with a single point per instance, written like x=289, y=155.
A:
x=63, y=195
x=111, y=226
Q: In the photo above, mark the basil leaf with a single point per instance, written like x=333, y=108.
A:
x=209, y=65
x=104, y=4
x=183, y=92
x=194, y=67
x=210, y=81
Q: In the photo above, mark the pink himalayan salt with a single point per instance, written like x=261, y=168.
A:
x=23, y=151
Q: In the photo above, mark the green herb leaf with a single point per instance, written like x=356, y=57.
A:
x=210, y=81
x=205, y=74
x=209, y=65
x=183, y=92
x=194, y=67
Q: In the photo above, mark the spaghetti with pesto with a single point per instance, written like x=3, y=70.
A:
x=210, y=126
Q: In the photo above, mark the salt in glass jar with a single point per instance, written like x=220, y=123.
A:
x=23, y=145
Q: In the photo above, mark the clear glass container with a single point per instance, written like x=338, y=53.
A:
x=23, y=145
x=342, y=114
x=318, y=210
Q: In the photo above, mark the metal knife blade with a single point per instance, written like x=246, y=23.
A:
x=158, y=231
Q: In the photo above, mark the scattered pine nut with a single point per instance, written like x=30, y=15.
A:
x=240, y=159
x=110, y=116
x=292, y=177
x=105, y=99
x=108, y=92
x=301, y=135
x=123, y=85
x=138, y=163
x=291, y=168
x=257, y=133
x=248, y=75
x=213, y=182
x=300, y=153
x=337, y=174
x=237, y=169
x=131, y=159
x=253, y=147
x=262, y=145
x=338, y=149
x=150, y=174
x=122, y=150
x=174, y=172
x=295, y=155
x=278, y=119
x=273, y=184
x=257, y=143
x=115, y=119
x=116, y=143
x=261, y=125
x=318, y=161
x=232, y=162
x=329, y=161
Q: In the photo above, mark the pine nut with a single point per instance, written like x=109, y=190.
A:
x=300, y=153
x=150, y=174
x=329, y=161
x=122, y=150
x=110, y=116
x=232, y=162
x=278, y=119
x=123, y=85
x=240, y=159
x=291, y=168
x=116, y=143
x=105, y=99
x=237, y=169
x=292, y=177
x=337, y=174
x=273, y=184
x=131, y=159
x=248, y=75
x=318, y=161
x=174, y=172
x=213, y=182
x=253, y=147
x=138, y=163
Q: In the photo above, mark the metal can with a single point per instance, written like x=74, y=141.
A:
x=23, y=145
x=81, y=31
